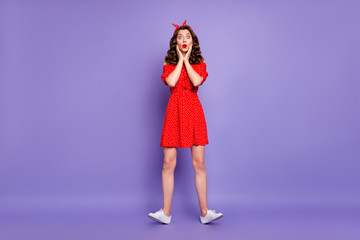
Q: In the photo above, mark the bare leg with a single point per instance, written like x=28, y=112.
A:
x=198, y=161
x=168, y=177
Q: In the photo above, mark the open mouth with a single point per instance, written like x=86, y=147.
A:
x=184, y=46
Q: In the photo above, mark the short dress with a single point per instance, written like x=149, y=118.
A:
x=184, y=122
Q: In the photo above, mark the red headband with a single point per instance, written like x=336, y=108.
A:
x=177, y=26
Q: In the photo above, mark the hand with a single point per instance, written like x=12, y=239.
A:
x=187, y=56
x=179, y=53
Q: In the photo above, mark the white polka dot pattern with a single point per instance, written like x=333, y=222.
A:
x=184, y=122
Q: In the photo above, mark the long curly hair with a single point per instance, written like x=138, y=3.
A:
x=195, y=56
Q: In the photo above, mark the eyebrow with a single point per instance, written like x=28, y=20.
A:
x=186, y=34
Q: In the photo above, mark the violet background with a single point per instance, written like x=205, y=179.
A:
x=82, y=107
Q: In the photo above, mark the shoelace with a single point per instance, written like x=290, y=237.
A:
x=163, y=212
x=212, y=210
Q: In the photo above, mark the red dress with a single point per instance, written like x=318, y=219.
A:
x=184, y=121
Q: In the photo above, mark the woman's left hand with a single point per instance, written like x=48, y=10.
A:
x=187, y=56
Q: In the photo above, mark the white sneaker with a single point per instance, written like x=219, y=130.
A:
x=160, y=216
x=211, y=215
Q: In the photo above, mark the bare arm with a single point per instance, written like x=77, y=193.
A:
x=195, y=78
x=173, y=77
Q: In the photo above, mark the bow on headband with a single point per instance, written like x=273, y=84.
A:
x=177, y=26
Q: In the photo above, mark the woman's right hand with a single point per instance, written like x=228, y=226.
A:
x=179, y=53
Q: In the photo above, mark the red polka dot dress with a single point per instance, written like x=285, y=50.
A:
x=184, y=122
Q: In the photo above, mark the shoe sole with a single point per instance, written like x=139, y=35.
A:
x=215, y=219
x=157, y=220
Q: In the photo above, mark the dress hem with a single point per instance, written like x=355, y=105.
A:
x=184, y=146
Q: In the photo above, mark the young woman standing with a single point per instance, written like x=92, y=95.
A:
x=184, y=124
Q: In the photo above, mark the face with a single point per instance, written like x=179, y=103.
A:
x=184, y=40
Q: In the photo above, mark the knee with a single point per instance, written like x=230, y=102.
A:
x=169, y=164
x=198, y=164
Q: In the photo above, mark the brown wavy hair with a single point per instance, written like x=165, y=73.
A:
x=195, y=56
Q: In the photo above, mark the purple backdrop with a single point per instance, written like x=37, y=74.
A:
x=82, y=107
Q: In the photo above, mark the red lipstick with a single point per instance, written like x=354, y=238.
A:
x=184, y=45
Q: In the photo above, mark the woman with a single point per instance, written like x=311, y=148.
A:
x=184, y=125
